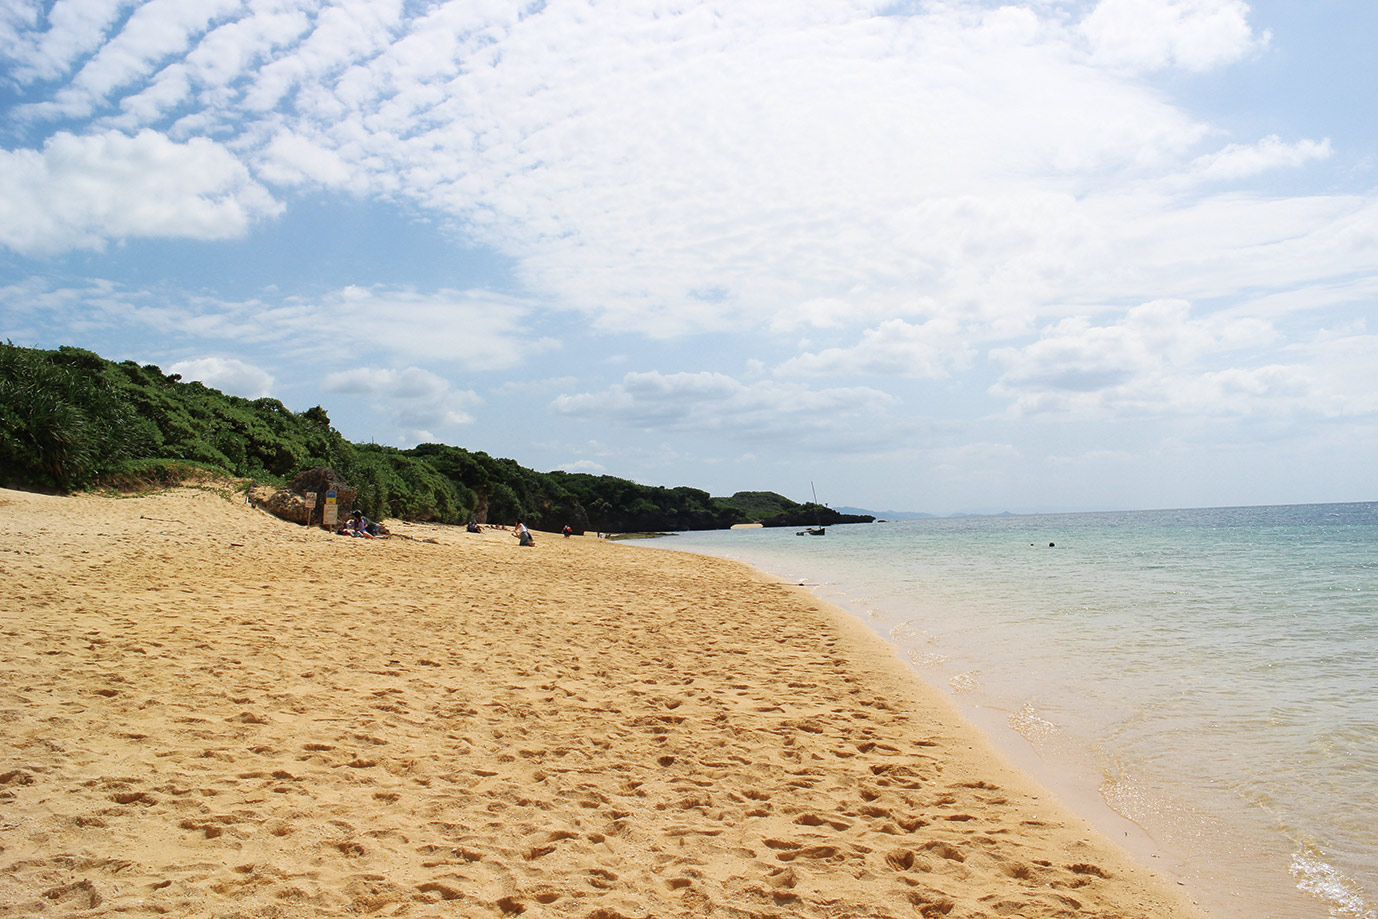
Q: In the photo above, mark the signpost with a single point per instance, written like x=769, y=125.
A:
x=331, y=511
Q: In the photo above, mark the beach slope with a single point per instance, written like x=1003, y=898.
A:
x=207, y=712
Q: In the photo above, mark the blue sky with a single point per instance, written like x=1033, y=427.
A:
x=940, y=256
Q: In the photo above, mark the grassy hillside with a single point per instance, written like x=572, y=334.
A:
x=70, y=419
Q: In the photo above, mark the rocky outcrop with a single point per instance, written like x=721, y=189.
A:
x=815, y=515
x=321, y=479
x=283, y=504
x=290, y=503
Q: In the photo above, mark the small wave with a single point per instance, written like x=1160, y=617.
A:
x=1032, y=726
x=925, y=658
x=965, y=682
x=1321, y=879
x=909, y=631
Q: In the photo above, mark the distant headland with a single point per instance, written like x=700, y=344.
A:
x=72, y=420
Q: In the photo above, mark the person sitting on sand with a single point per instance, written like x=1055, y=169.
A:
x=523, y=535
x=359, y=526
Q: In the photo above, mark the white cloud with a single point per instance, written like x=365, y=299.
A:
x=932, y=350
x=81, y=191
x=981, y=457
x=792, y=170
x=236, y=47
x=75, y=28
x=417, y=403
x=819, y=312
x=1195, y=35
x=536, y=386
x=714, y=402
x=164, y=93
x=471, y=331
x=781, y=165
x=155, y=30
x=227, y=374
x=587, y=466
x=1242, y=161
x=291, y=159
x=343, y=34
x=1156, y=361
x=1092, y=459
x=1344, y=372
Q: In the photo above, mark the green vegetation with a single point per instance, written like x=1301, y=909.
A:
x=757, y=506
x=70, y=420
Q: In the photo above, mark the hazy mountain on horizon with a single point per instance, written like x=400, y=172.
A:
x=884, y=515
x=922, y=515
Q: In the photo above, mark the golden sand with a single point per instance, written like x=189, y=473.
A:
x=208, y=712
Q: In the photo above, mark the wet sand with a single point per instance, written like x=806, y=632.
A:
x=205, y=711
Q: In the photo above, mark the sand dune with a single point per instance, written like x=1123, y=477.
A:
x=207, y=712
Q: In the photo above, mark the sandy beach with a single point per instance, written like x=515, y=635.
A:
x=205, y=711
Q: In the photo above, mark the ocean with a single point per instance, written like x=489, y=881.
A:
x=1202, y=684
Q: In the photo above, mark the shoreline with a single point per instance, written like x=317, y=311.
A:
x=207, y=706
x=1232, y=864
x=1067, y=781
x=1006, y=743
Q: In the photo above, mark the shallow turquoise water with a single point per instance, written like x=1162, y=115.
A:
x=1211, y=674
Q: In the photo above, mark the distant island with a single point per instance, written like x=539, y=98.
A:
x=72, y=420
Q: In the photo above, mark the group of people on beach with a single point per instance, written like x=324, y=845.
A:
x=524, y=537
x=359, y=527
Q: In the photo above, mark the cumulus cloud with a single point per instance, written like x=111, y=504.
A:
x=537, y=386
x=82, y=191
x=1195, y=35
x=1157, y=360
x=227, y=374
x=472, y=331
x=1242, y=161
x=1344, y=373
x=587, y=466
x=291, y=159
x=930, y=350
x=715, y=402
x=418, y=403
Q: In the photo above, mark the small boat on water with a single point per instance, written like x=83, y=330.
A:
x=812, y=531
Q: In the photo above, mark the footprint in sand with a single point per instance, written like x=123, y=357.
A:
x=816, y=820
x=441, y=891
x=79, y=895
